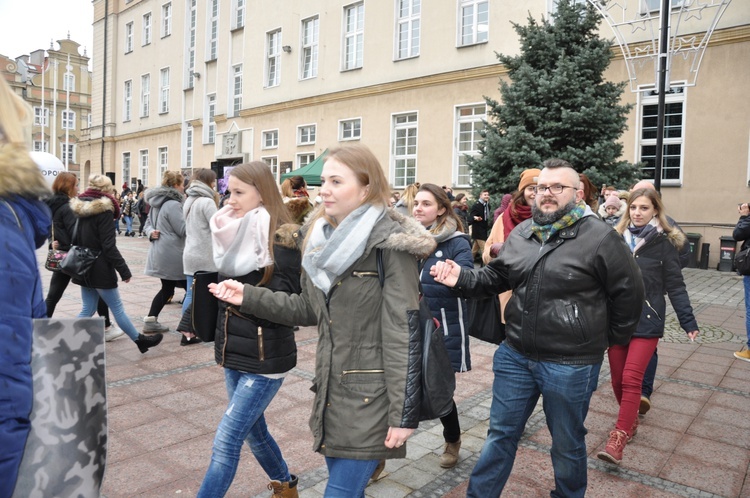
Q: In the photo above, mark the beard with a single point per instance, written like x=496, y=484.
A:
x=541, y=218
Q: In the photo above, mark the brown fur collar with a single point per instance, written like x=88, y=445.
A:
x=84, y=209
x=19, y=174
x=287, y=235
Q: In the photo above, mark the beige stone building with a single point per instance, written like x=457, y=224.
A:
x=60, y=97
x=191, y=83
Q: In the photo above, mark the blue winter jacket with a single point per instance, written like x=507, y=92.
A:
x=446, y=305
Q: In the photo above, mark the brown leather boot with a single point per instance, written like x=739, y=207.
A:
x=449, y=458
x=284, y=489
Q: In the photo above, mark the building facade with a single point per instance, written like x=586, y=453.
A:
x=191, y=83
x=57, y=85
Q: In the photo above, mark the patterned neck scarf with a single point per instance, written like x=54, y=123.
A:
x=544, y=232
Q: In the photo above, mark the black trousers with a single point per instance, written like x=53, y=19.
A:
x=57, y=286
x=451, y=427
x=166, y=291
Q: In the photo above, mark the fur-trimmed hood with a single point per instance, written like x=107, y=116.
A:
x=19, y=174
x=602, y=212
x=86, y=207
x=286, y=235
x=677, y=238
x=159, y=195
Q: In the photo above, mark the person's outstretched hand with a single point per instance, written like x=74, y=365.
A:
x=446, y=272
x=229, y=290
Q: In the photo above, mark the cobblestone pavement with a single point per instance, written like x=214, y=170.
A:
x=164, y=408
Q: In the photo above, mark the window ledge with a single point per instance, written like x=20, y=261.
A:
x=399, y=59
x=237, y=28
x=486, y=42
x=345, y=70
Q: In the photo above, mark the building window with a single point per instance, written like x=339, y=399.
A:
x=408, y=28
x=210, y=113
x=164, y=90
x=127, y=100
x=68, y=120
x=273, y=163
x=41, y=116
x=69, y=82
x=126, y=166
x=128, y=37
x=239, y=14
x=68, y=153
x=40, y=146
x=469, y=125
x=189, y=147
x=473, y=19
x=309, y=49
x=191, y=46
x=674, y=133
x=304, y=159
x=145, y=95
x=213, y=29
x=354, y=35
x=404, y=149
x=143, y=166
x=146, y=28
x=163, y=160
x=350, y=129
x=273, y=58
x=306, y=134
x=166, y=19
x=270, y=139
x=90, y=120
x=237, y=90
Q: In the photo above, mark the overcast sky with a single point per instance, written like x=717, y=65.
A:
x=29, y=25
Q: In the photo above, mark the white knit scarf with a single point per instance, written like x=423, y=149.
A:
x=330, y=251
x=240, y=244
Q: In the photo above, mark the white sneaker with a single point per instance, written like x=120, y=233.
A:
x=112, y=332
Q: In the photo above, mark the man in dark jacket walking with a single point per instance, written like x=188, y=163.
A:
x=479, y=217
x=576, y=291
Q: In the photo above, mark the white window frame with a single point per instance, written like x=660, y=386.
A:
x=676, y=95
x=39, y=146
x=464, y=180
x=308, y=157
x=236, y=105
x=309, y=47
x=163, y=155
x=408, y=29
x=41, y=118
x=189, y=137
x=273, y=59
x=406, y=156
x=352, y=39
x=273, y=163
x=125, y=167
x=147, y=31
x=645, y=7
x=355, y=132
x=166, y=19
x=212, y=25
x=71, y=151
x=143, y=165
x=164, y=77
x=273, y=135
x=306, y=134
x=479, y=33
x=129, y=37
x=68, y=120
x=192, y=35
x=238, y=14
x=145, y=95
x=127, y=108
x=69, y=82
x=210, y=114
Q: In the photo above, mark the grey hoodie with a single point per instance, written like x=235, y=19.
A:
x=198, y=209
x=165, y=253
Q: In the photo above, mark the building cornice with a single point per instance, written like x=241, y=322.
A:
x=143, y=134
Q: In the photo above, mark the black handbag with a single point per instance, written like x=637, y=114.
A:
x=485, y=323
x=438, y=380
x=79, y=260
x=742, y=262
x=204, y=309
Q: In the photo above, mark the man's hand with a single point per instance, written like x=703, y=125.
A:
x=477, y=218
x=743, y=209
x=446, y=272
x=228, y=290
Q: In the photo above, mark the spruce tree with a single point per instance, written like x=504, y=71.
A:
x=556, y=104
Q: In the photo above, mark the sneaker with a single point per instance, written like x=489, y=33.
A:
x=743, y=355
x=152, y=326
x=111, y=333
x=613, y=451
x=449, y=458
x=645, y=405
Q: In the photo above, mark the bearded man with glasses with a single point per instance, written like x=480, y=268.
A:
x=576, y=291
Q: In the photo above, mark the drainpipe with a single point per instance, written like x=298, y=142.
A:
x=104, y=85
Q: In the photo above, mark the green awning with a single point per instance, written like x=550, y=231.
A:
x=311, y=172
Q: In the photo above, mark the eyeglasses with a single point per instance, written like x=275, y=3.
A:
x=553, y=189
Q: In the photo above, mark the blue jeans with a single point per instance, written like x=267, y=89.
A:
x=90, y=298
x=746, y=281
x=650, y=375
x=188, y=293
x=566, y=392
x=249, y=396
x=348, y=478
x=128, y=224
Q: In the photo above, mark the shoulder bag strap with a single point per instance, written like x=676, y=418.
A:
x=75, y=232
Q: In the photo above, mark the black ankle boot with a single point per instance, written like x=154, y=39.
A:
x=148, y=341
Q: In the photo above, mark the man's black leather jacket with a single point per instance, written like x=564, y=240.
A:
x=573, y=296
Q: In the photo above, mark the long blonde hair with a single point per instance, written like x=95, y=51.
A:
x=675, y=236
x=258, y=174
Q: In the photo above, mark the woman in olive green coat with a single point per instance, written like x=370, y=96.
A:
x=366, y=378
